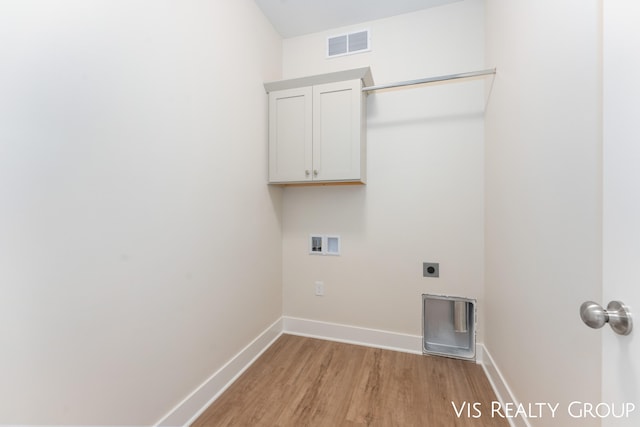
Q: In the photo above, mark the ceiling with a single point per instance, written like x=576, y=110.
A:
x=293, y=18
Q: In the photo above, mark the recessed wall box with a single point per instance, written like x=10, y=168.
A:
x=316, y=244
x=333, y=245
x=449, y=326
x=321, y=244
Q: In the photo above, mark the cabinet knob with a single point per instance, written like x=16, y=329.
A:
x=315, y=172
x=306, y=172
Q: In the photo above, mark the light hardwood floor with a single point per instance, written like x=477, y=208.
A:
x=302, y=381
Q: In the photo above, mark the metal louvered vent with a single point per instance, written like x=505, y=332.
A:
x=337, y=45
x=346, y=44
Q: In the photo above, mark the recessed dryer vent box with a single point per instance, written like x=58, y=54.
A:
x=449, y=326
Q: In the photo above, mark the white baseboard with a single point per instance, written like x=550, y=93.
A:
x=500, y=386
x=195, y=404
x=187, y=411
x=353, y=335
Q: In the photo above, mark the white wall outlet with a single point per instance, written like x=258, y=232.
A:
x=319, y=287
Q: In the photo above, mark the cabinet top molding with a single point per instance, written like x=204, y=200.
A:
x=357, y=73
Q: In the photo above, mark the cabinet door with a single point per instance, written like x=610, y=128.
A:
x=337, y=138
x=290, y=135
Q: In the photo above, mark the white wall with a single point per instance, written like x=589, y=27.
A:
x=621, y=182
x=424, y=197
x=543, y=199
x=140, y=247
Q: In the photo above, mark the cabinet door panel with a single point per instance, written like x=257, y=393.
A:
x=290, y=135
x=336, y=131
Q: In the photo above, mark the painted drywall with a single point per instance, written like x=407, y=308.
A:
x=621, y=206
x=543, y=200
x=423, y=201
x=140, y=246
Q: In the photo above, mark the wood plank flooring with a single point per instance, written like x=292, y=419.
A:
x=302, y=381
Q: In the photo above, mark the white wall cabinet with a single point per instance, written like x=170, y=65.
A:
x=317, y=128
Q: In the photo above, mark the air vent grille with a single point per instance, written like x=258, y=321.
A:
x=346, y=44
x=337, y=45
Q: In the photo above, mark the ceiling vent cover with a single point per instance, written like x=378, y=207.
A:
x=347, y=44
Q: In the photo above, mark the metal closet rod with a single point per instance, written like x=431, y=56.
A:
x=431, y=80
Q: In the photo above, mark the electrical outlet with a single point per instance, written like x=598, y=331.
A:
x=319, y=288
x=430, y=269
